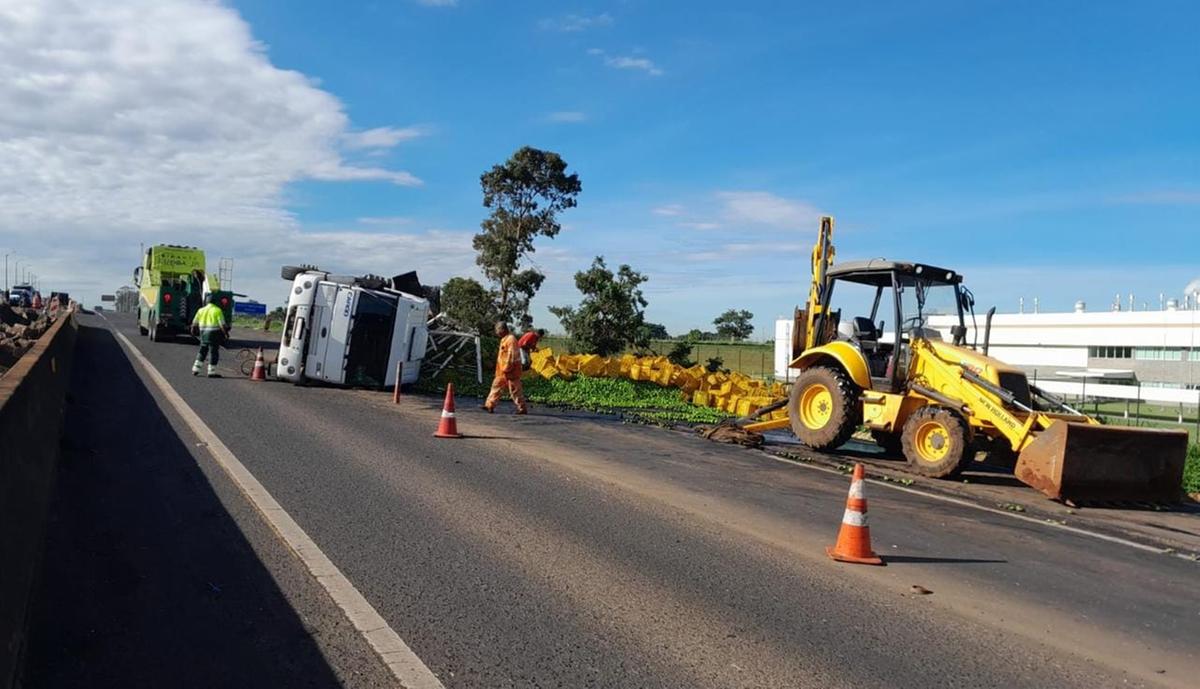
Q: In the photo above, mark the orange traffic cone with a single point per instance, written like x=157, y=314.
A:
x=448, y=428
x=854, y=538
x=260, y=369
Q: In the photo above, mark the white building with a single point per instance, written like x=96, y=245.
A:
x=1120, y=354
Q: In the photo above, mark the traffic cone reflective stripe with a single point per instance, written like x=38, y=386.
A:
x=448, y=427
x=260, y=369
x=854, y=538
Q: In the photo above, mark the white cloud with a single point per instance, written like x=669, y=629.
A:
x=576, y=22
x=380, y=137
x=697, y=225
x=765, y=208
x=669, y=210
x=161, y=120
x=384, y=220
x=566, y=117
x=640, y=63
x=643, y=64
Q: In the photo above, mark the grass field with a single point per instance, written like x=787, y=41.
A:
x=755, y=359
x=256, y=323
x=1148, y=416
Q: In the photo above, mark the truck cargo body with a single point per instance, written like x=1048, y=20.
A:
x=342, y=333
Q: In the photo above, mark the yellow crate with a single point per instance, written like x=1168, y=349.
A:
x=700, y=398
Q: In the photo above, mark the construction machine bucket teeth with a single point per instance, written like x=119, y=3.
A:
x=1081, y=462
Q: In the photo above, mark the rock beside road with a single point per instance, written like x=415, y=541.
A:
x=19, y=329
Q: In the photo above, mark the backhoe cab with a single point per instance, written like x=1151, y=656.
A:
x=937, y=402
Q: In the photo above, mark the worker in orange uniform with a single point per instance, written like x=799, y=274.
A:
x=529, y=340
x=508, y=372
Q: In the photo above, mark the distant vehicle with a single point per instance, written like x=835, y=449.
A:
x=354, y=331
x=21, y=295
x=64, y=299
x=172, y=282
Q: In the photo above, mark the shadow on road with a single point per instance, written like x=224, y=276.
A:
x=147, y=580
x=916, y=559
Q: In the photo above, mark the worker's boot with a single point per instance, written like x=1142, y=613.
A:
x=196, y=367
x=212, y=371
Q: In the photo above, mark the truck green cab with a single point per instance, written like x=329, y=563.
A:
x=171, y=284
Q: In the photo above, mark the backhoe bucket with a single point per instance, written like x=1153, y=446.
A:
x=1081, y=462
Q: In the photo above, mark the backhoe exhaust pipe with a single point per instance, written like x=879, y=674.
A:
x=987, y=329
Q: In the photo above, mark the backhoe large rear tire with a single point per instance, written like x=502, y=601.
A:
x=824, y=408
x=937, y=442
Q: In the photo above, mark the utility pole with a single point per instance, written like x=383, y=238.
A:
x=6, y=272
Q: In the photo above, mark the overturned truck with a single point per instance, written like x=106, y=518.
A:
x=355, y=331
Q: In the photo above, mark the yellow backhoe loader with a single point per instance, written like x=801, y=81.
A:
x=938, y=402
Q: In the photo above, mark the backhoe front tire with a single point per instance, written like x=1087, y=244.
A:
x=824, y=408
x=937, y=442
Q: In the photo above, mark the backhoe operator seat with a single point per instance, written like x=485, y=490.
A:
x=865, y=333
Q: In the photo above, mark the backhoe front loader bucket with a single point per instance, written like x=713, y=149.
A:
x=1081, y=462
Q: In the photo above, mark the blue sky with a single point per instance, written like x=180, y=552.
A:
x=1044, y=149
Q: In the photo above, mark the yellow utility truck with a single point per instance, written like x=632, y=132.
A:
x=939, y=402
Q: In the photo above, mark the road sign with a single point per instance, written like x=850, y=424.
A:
x=249, y=308
x=108, y=297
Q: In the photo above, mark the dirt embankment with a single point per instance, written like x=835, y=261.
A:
x=19, y=329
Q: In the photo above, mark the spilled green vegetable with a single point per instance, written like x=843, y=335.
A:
x=638, y=401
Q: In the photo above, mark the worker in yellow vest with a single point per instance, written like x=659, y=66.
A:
x=210, y=326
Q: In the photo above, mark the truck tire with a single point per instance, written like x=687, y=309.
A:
x=824, y=408
x=937, y=442
x=290, y=272
x=889, y=442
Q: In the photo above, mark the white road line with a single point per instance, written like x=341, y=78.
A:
x=400, y=659
x=1004, y=513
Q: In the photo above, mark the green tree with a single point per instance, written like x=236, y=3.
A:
x=610, y=316
x=525, y=196
x=735, y=325
x=655, y=331
x=469, y=305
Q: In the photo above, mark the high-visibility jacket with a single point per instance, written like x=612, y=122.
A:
x=211, y=320
x=508, y=362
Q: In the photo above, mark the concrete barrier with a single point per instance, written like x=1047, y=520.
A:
x=32, y=400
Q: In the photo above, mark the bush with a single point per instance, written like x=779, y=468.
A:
x=1191, y=471
x=716, y=364
x=681, y=355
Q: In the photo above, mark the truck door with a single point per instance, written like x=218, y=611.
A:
x=320, y=317
x=341, y=318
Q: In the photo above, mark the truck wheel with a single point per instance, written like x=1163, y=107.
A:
x=824, y=408
x=937, y=442
x=889, y=442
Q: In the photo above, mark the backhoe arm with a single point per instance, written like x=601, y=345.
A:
x=822, y=259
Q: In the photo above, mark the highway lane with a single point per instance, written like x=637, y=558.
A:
x=572, y=551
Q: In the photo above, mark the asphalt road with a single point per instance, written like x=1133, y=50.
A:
x=572, y=550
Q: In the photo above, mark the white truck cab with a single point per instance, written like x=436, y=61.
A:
x=345, y=330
